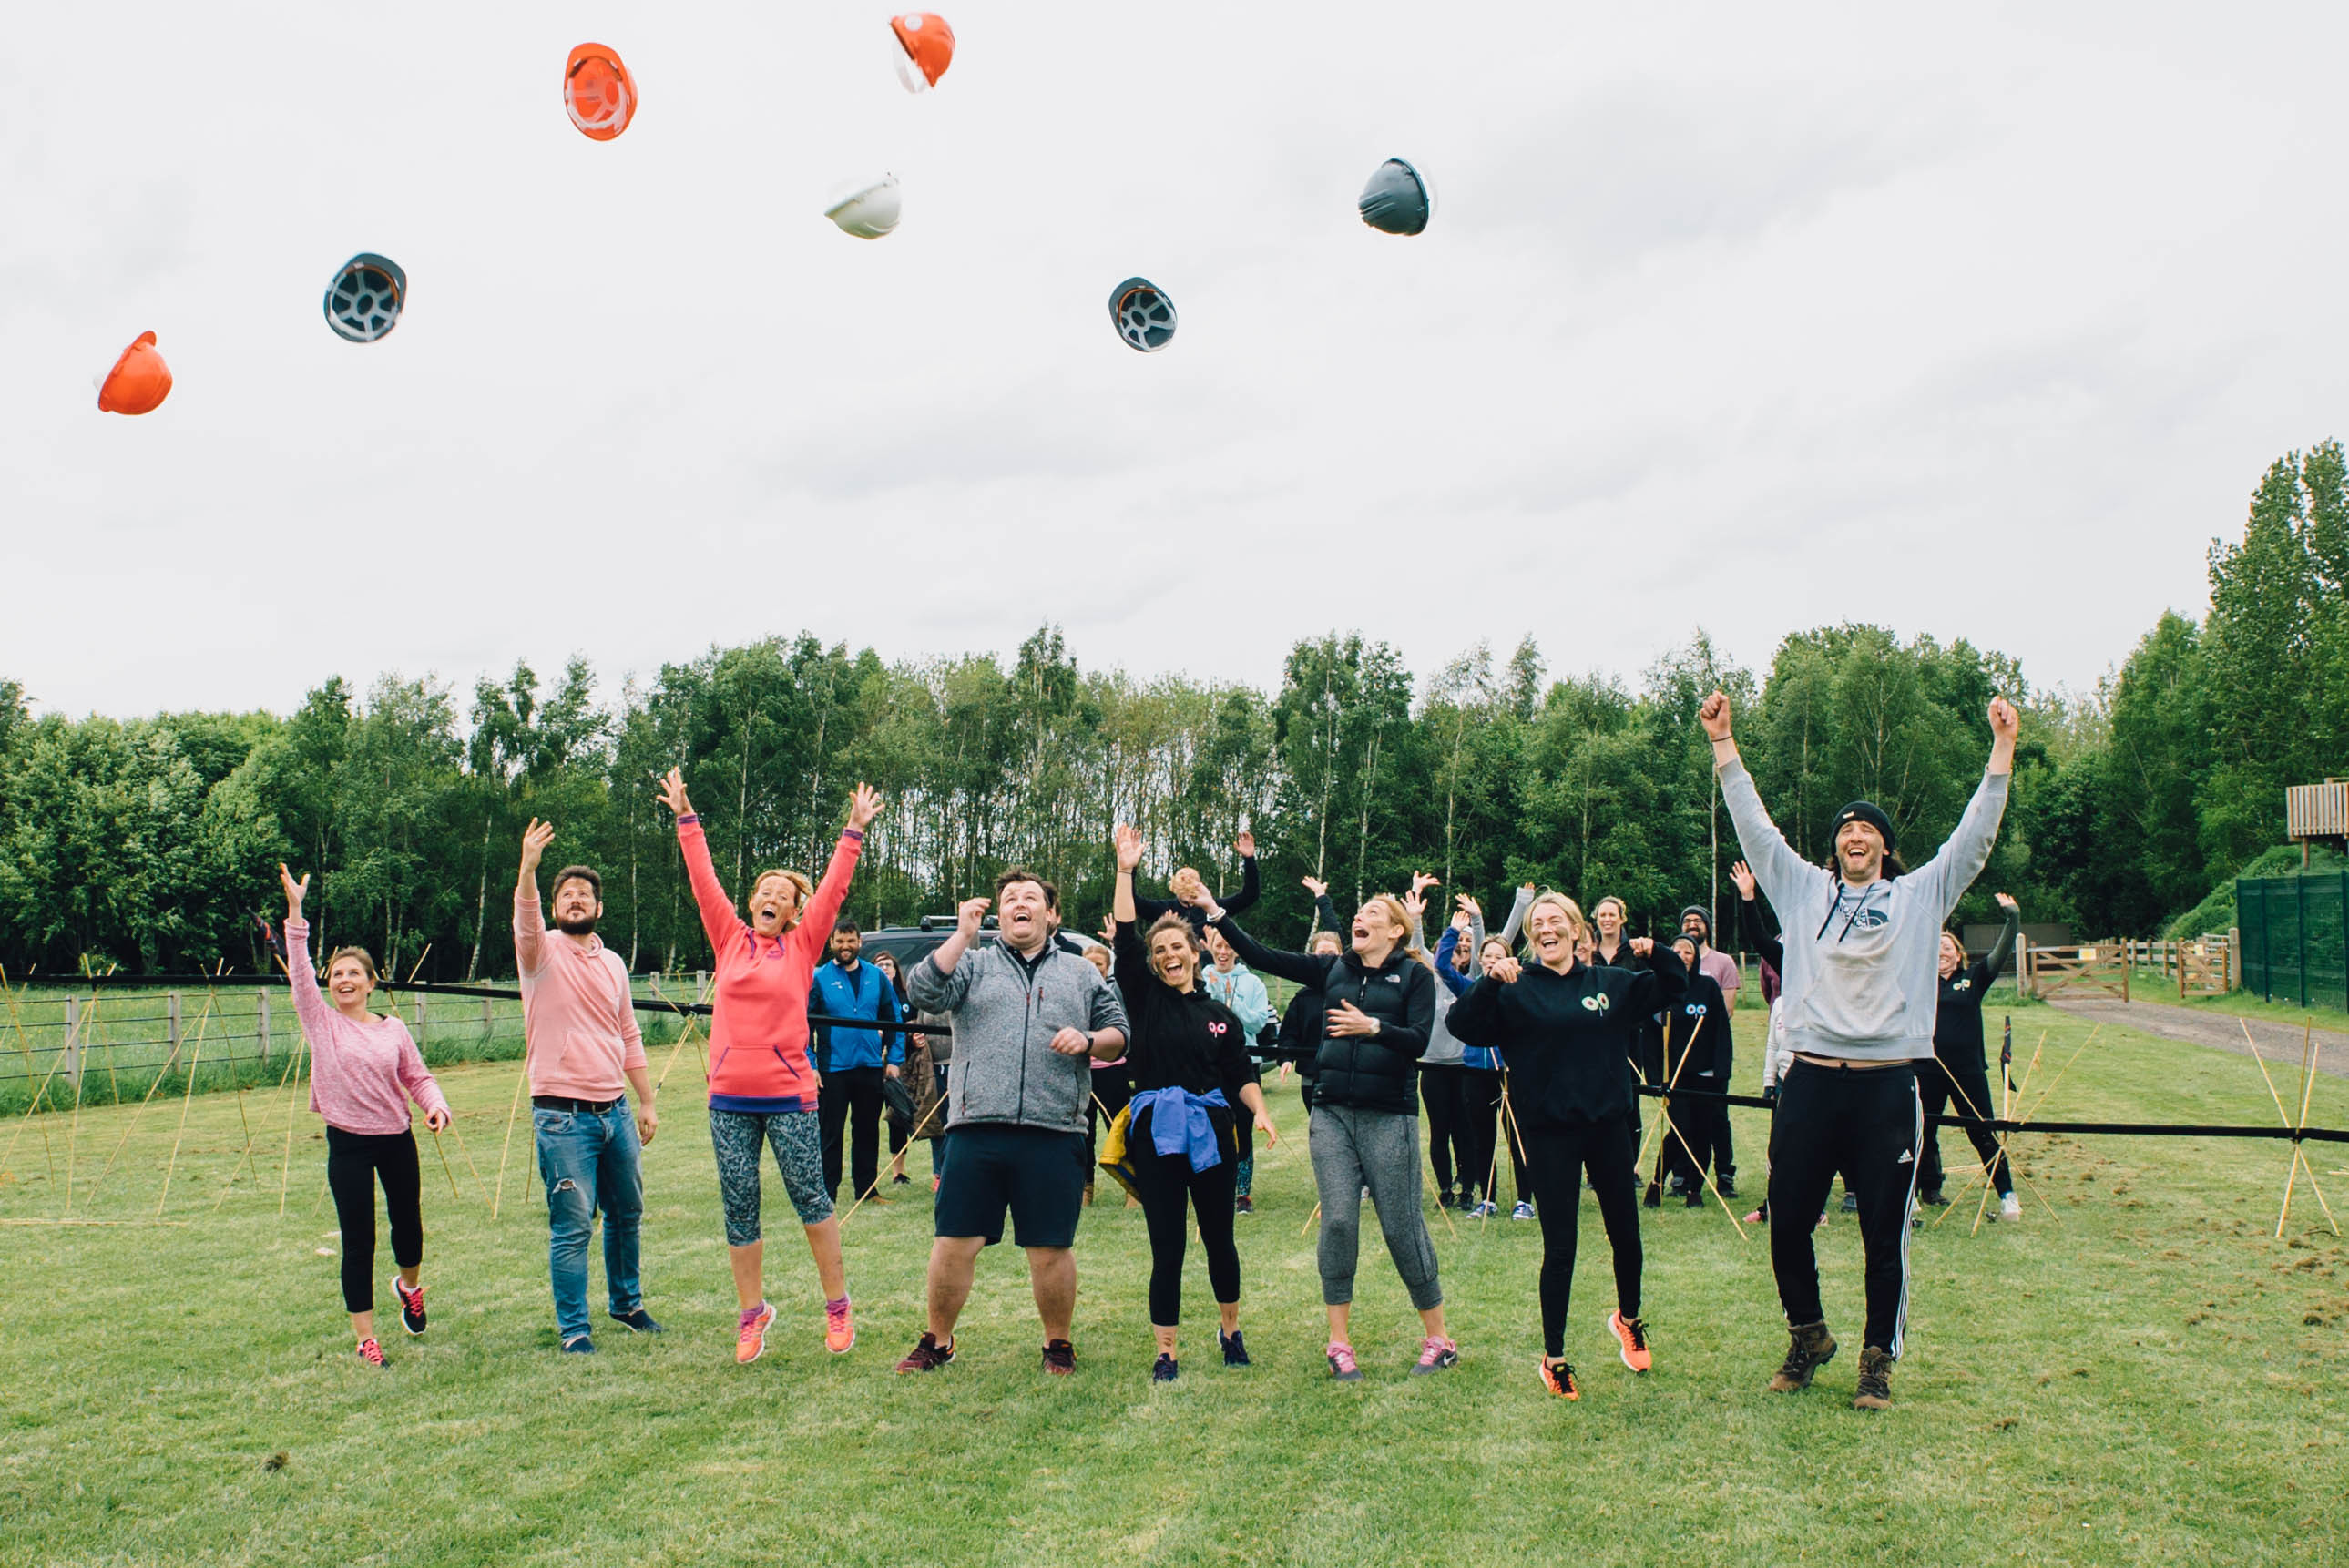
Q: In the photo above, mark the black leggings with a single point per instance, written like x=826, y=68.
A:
x=1970, y=1101
x=1865, y=1122
x=354, y=1163
x=1557, y=1157
x=1486, y=1122
x=1168, y=1186
x=1443, y=1091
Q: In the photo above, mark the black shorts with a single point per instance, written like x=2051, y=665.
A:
x=1038, y=1173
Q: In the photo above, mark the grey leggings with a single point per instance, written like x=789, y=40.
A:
x=1379, y=1149
x=798, y=1143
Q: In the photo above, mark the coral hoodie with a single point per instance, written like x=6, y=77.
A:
x=759, y=1027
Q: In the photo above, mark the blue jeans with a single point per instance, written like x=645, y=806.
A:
x=591, y=1162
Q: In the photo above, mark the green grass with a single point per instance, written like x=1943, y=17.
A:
x=2150, y=985
x=2154, y=1379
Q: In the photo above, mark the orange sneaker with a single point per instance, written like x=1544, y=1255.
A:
x=839, y=1327
x=751, y=1341
x=1630, y=1340
x=1558, y=1378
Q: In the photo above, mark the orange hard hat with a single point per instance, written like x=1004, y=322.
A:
x=598, y=91
x=138, y=382
x=928, y=43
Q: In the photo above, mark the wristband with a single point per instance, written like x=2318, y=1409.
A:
x=688, y=817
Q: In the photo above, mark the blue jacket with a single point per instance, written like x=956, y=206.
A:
x=866, y=993
x=1485, y=1058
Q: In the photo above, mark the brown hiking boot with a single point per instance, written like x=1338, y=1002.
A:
x=1874, y=1379
x=1811, y=1347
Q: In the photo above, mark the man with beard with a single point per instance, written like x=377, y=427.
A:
x=853, y=1062
x=582, y=1052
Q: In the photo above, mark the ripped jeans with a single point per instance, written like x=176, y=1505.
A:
x=590, y=1162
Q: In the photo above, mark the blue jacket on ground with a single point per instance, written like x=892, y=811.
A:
x=864, y=994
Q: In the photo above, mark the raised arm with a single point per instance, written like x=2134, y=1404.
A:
x=1749, y=918
x=529, y=919
x=1777, y=867
x=719, y=921
x=1251, y=889
x=1446, y=946
x=1961, y=859
x=814, y=928
x=1518, y=905
x=1987, y=969
x=939, y=982
x=1662, y=980
x=309, y=1007
x=1302, y=967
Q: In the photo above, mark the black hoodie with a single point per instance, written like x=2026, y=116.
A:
x=1563, y=1035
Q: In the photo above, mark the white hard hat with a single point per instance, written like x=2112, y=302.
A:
x=867, y=209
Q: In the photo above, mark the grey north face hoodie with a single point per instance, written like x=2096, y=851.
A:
x=1004, y=1067
x=1862, y=979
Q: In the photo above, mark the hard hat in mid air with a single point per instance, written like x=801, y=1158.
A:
x=928, y=43
x=138, y=382
x=598, y=92
x=867, y=209
x=1398, y=199
x=364, y=301
x=1143, y=314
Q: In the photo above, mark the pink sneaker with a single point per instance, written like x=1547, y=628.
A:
x=1754, y=1218
x=1341, y=1363
x=839, y=1327
x=750, y=1341
x=1435, y=1354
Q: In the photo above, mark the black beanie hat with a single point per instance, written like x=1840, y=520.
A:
x=1701, y=911
x=1867, y=811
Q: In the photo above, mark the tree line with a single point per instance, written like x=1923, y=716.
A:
x=151, y=843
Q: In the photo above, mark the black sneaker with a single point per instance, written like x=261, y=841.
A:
x=1655, y=1198
x=1811, y=1347
x=1164, y=1371
x=1447, y=1198
x=636, y=1322
x=1235, y=1350
x=1933, y=1198
x=579, y=1344
x=1695, y=1200
x=1060, y=1357
x=901, y=1179
x=1875, y=1391
x=1243, y=1204
x=411, y=1305
x=928, y=1355
x=1851, y=1203
x=1728, y=1185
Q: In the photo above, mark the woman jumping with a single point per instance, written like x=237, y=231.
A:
x=364, y=1070
x=1188, y=1058
x=762, y=1086
x=1564, y=1027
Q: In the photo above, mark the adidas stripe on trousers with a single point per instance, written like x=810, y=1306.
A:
x=1867, y=1123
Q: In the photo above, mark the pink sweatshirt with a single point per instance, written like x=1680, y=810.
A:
x=362, y=1075
x=578, y=1016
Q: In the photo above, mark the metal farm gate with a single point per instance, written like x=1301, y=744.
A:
x=2295, y=938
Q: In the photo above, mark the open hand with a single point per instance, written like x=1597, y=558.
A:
x=1345, y=1018
x=1414, y=905
x=1469, y=907
x=1127, y=841
x=294, y=890
x=2006, y=902
x=1315, y=886
x=1245, y=845
x=1714, y=715
x=534, y=840
x=671, y=793
x=1742, y=875
x=1264, y=1125
x=863, y=805
x=1421, y=880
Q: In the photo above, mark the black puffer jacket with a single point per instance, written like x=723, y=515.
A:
x=1367, y=1072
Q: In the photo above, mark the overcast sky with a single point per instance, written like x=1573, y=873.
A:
x=1978, y=322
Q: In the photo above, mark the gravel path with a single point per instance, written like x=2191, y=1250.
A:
x=2278, y=1043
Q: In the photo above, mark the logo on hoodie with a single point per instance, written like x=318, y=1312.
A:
x=1597, y=1001
x=1965, y=985
x=1216, y=1026
x=1870, y=918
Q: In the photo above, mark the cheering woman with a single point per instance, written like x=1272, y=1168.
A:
x=1563, y=1028
x=1958, y=1074
x=762, y=1086
x=364, y=1070
x=1187, y=1056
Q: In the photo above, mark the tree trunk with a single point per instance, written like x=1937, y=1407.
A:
x=481, y=901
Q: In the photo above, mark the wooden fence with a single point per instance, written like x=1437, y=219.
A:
x=2200, y=966
x=2102, y=968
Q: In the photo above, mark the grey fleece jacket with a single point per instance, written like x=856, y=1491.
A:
x=1862, y=981
x=1004, y=1069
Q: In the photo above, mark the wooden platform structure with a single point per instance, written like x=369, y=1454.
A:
x=2317, y=814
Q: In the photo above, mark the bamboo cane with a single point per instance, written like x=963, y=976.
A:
x=521, y=1080
x=196, y=1061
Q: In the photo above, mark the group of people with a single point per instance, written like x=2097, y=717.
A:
x=1544, y=1043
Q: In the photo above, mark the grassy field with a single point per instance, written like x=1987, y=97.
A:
x=2145, y=1375
x=2149, y=986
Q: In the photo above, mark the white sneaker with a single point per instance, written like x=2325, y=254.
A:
x=1524, y=1210
x=2010, y=1207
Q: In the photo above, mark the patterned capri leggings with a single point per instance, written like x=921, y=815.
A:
x=798, y=1143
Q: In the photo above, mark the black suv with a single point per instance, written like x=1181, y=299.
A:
x=909, y=945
